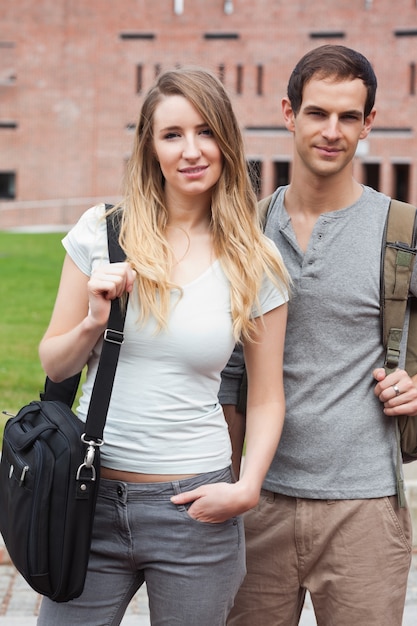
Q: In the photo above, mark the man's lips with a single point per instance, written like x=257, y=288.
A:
x=328, y=150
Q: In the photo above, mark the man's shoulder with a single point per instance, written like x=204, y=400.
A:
x=374, y=197
x=272, y=202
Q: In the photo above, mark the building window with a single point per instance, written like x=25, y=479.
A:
x=371, y=175
x=8, y=125
x=139, y=78
x=239, y=79
x=401, y=181
x=260, y=80
x=221, y=36
x=336, y=34
x=7, y=185
x=128, y=36
x=412, y=79
x=255, y=175
x=406, y=32
x=7, y=63
x=178, y=7
x=281, y=173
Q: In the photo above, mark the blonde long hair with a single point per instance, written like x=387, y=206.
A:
x=238, y=242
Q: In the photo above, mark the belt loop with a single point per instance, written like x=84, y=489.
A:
x=269, y=495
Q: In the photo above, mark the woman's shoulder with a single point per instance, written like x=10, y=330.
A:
x=86, y=242
x=91, y=223
x=93, y=218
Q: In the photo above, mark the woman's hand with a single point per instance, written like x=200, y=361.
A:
x=217, y=502
x=106, y=283
x=80, y=315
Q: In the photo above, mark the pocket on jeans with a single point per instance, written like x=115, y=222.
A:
x=401, y=521
x=183, y=510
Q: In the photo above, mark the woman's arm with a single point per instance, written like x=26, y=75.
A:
x=266, y=401
x=80, y=315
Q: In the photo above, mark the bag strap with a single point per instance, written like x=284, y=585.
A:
x=399, y=253
x=66, y=390
x=112, y=341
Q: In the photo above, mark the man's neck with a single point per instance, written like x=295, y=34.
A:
x=321, y=194
x=305, y=203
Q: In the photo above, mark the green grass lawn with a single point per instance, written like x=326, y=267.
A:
x=30, y=267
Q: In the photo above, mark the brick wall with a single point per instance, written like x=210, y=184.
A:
x=70, y=72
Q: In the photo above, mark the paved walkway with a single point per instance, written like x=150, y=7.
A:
x=19, y=604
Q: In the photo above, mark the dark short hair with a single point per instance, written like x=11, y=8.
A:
x=330, y=60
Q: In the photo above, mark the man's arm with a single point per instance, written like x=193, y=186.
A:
x=236, y=423
x=229, y=395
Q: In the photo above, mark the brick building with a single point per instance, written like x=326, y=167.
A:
x=73, y=74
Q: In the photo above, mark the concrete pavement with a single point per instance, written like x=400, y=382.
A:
x=19, y=604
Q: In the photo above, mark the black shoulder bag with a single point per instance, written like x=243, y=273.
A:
x=50, y=470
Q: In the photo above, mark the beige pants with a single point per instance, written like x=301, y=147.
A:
x=352, y=555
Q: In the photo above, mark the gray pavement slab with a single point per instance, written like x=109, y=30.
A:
x=19, y=604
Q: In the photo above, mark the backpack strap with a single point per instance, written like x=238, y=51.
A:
x=263, y=206
x=399, y=254
x=397, y=264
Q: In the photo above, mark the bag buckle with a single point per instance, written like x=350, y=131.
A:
x=113, y=336
x=89, y=455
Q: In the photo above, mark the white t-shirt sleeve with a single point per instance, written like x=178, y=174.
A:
x=86, y=242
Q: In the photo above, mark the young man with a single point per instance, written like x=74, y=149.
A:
x=328, y=520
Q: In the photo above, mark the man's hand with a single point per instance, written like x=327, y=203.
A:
x=397, y=392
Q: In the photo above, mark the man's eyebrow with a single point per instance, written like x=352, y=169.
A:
x=312, y=107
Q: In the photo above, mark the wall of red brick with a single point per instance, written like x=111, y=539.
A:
x=68, y=83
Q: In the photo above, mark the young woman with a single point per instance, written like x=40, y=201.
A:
x=201, y=276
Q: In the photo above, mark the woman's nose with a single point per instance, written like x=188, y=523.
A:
x=191, y=149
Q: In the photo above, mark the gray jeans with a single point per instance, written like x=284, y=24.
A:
x=192, y=569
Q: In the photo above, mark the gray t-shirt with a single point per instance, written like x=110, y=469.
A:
x=336, y=443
